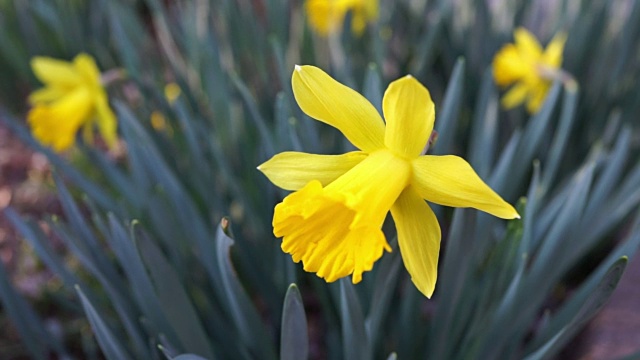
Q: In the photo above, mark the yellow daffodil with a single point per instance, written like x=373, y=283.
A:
x=73, y=98
x=530, y=68
x=332, y=222
x=327, y=16
x=172, y=92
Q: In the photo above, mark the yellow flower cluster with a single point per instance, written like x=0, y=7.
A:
x=332, y=221
x=73, y=98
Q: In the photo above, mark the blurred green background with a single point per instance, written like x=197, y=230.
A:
x=166, y=248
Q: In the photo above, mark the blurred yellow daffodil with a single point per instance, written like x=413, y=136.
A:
x=530, y=68
x=333, y=220
x=327, y=16
x=172, y=92
x=73, y=98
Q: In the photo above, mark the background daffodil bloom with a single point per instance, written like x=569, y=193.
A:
x=327, y=16
x=73, y=98
x=332, y=222
x=529, y=67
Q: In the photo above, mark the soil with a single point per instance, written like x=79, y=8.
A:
x=25, y=185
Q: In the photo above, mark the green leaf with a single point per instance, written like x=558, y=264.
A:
x=372, y=87
x=500, y=174
x=115, y=177
x=355, y=343
x=533, y=134
x=484, y=127
x=453, y=278
x=254, y=113
x=425, y=52
x=82, y=238
x=530, y=211
x=33, y=234
x=447, y=118
x=383, y=293
x=554, y=250
x=124, y=31
x=243, y=313
x=189, y=357
x=591, y=306
x=111, y=346
x=537, y=125
x=285, y=126
x=174, y=300
x=561, y=137
x=142, y=288
x=614, y=165
x=294, y=340
x=567, y=312
x=29, y=326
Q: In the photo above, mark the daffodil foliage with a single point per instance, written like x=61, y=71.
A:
x=332, y=221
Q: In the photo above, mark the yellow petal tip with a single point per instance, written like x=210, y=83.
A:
x=297, y=67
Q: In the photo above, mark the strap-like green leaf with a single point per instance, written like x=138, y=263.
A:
x=294, y=340
x=111, y=346
x=355, y=342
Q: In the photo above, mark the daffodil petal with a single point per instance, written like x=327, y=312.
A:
x=358, y=22
x=44, y=129
x=366, y=12
x=449, y=180
x=172, y=92
x=326, y=100
x=371, y=9
x=293, y=170
x=418, y=238
x=325, y=17
x=515, y=96
x=527, y=44
x=552, y=56
x=46, y=95
x=87, y=68
x=409, y=112
x=537, y=97
x=54, y=71
x=508, y=66
x=56, y=124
